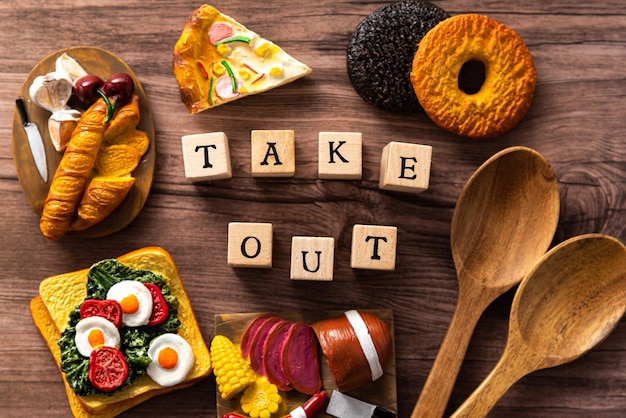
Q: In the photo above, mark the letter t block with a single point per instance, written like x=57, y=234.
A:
x=374, y=247
x=405, y=167
x=250, y=244
x=206, y=156
x=312, y=258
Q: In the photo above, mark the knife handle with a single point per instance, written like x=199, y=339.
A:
x=21, y=108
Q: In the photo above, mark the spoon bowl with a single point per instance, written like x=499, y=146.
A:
x=570, y=302
x=503, y=222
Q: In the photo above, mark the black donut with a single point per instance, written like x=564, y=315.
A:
x=381, y=51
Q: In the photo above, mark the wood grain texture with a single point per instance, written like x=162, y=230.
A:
x=576, y=121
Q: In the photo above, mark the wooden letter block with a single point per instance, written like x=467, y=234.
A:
x=405, y=167
x=374, y=247
x=312, y=258
x=206, y=156
x=340, y=155
x=250, y=244
x=273, y=153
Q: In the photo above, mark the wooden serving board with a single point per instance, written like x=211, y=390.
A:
x=103, y=64
x=381, y=392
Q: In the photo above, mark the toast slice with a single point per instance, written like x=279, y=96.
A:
x=59, y=295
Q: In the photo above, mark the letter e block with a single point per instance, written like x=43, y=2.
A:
x=206, y=156
x=405, y=167
x=312, y=258
x=340, y=155
x=374, y=247
x=273, y=153
x=250, y=244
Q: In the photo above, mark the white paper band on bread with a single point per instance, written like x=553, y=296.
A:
x=366, y=342
x=298, y=413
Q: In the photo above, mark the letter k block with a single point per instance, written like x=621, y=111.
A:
x=340, y=155
x=206, y=156
x=312, y=258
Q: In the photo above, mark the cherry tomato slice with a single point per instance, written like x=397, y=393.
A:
x=109, y=309
x=107, y=369
x=159, y=307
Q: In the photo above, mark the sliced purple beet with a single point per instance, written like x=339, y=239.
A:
x=249, y=333
x=300, y=359
x=272, y=355
x=258, y=342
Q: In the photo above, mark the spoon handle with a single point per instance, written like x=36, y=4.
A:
x=514, y=364
x=440, y=382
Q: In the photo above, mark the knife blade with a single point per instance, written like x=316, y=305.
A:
x=344, y=406
x=35, y=141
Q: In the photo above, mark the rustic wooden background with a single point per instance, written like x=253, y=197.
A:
x=577, y=120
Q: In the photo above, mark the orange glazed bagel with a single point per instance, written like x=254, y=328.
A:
x=509, y=76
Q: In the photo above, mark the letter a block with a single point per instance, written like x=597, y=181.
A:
x=405, y=167
x=374, y=247
x=273, y=153
x=312, y=258
x=340, y=155
x=250, y=244
x=206, y=156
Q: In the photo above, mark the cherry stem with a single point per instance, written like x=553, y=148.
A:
x=110, y=108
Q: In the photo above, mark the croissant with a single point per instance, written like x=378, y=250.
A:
x=117, y=160
x=126, y=119
x=71, y=175
x=102, y=196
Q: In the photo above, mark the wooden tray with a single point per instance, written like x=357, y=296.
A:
x=381, y=392
x=101, y=63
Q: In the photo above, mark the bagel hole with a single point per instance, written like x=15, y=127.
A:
x=472, y=76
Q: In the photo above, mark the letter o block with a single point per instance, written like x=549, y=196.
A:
x=374, y=247
x=312, y=258
x=250, y=244
x=405, y=167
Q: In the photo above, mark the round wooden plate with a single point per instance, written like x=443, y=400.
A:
x=101, y=63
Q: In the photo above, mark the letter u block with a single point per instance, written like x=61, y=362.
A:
x=374, y=247
x=405, y=167
x=273, y=153
x=312, y=258
x=250, y=244
x=206, y=156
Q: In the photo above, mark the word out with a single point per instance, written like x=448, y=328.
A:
x=404, y=167
x=312, y=258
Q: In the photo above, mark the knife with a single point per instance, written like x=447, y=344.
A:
x=34, y=140
x=344, y=406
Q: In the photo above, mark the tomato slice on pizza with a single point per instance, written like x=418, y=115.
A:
x=218, y=60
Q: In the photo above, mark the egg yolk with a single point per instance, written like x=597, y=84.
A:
x=168, y=357
x=130, y=304
x=95, y=338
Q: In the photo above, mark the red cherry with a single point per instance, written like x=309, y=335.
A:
x=119, y=86
x=86, y=88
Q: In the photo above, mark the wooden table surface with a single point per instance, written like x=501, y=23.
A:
x=576, y=121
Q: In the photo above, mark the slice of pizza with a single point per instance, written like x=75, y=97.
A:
x=218, y=60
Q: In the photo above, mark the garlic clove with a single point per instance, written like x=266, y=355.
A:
x=69, y=66
x=61, y=125
x=51, y=91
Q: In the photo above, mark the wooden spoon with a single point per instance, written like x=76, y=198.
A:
x=566, y=305
x=504, y=221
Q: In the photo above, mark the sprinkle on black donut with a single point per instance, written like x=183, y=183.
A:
x=381, y=51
